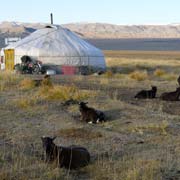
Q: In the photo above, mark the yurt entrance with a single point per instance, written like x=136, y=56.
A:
x=9, y=59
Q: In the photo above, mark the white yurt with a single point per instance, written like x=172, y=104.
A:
x=55, y=45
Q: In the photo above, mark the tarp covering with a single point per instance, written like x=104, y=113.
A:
x=58, y=46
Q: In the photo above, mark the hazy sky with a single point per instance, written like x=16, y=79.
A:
x=109, y=11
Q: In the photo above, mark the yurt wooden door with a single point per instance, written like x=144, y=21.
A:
x=9, y=59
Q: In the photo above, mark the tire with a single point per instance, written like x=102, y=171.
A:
x=36, y=69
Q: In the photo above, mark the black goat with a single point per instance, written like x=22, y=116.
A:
x=171, y=96
x=147, y=94
x=178, y=80
x=71, y=157
x=90, y=115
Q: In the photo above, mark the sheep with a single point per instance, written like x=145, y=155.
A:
x=147, y=94
x=171, y=96
x=90, y=115
x=71, y=157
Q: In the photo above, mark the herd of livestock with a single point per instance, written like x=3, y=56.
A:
x=74, y=157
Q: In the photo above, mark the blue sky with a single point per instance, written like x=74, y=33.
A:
x=106, y=11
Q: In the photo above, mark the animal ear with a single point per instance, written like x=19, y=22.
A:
x=42, y=138
x=54, y=138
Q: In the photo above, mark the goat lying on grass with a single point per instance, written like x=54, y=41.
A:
x=178, y=80
x=147, y=94
x=71, y=157
x=171, y=96
x=90, y=115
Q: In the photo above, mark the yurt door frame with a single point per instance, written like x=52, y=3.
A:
x=9, y=59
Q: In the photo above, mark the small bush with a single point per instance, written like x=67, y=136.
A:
x=25, y=103
x=139, y=75
x=120, y=76
x=47, y=82
x=27, y=84
x=104, y=81
x=8, y=80
x=159, y=72
x=108, y=74
x=63, y=93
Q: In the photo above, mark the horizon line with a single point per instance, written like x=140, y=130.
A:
x=89, y=22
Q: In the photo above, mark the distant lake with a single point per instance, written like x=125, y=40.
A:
x=137, y=44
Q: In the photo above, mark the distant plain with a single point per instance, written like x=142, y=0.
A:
x=149, y=44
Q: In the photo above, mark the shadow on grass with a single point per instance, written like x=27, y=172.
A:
x=112, y=115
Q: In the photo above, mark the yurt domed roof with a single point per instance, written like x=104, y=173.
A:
x=58, y=42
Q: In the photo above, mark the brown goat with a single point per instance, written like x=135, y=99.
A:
x=90, y=115
x=171, y=96
x=71, y=157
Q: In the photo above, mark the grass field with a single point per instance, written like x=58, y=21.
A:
x=139, y=141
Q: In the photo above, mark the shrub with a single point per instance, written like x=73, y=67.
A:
x=27, y=84
x=139, y=75
x=8, y=80
x=25, y=103
x=63, y=93
x=47, y=82
x=108, y=74
x=104, y=81
x=159, y=72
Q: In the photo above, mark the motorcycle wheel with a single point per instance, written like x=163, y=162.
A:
x=36, y=69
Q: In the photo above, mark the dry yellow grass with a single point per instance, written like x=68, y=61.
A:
x=8, y=79
x=81, y=133
x=63, y=93
x=159, y=72
x=26, y=84
x=139, y=75
x=135, y=142
x=141, y=62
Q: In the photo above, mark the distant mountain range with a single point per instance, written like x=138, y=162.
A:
x=94, y=30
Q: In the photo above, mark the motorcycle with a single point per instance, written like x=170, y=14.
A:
x=28, y=66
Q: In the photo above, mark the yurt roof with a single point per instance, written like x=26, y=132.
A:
x=55, y=41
